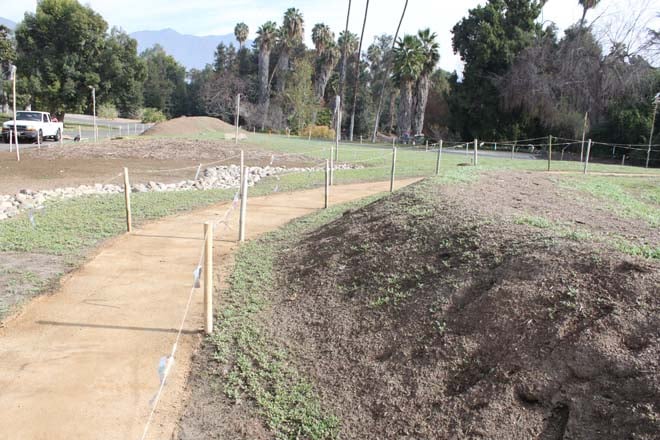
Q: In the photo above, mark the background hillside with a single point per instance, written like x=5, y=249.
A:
x=191, y=51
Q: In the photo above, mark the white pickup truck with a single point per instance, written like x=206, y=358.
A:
x=32, y=124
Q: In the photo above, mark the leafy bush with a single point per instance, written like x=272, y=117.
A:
x=107, y=111
x=152, y=115
x=318, y=132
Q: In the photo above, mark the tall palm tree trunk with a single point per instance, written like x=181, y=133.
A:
x=342, y=72
x=421, y=98
x=282, y=71
x=404, y=116
x=387, y=77
x=357, y=73
x=264, y=95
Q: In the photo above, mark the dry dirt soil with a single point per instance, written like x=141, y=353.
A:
x=148, y=159
x=433, y=314
x=189, y=125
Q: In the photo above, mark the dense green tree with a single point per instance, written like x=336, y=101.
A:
x=165, y=84
x=225, y=58
x=327, y=55
x=60, y=48
x=408, y=64
x=431, y=57
x=300, y=101
x=488, y=40
x=122, y=74
x=7, y=58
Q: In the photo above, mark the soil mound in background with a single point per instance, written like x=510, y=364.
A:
x=418, y=318
x=189, y=126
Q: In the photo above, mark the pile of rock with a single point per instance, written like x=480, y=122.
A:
x=220, y=177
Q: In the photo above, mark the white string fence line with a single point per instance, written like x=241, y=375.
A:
x=169, y=360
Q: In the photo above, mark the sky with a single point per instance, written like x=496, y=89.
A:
x=215, y=17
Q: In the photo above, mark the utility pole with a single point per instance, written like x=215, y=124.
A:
x=238, y=115
x=94, y=112
x=13, y=91
x=656, y=101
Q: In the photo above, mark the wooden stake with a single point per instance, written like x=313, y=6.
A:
x=438, y=159
x=393, y=169
x=513, y=149
x=309, y=136
x=79, y=133
x=199, y=168
x=466, y=149
x=427, y=146
x=240, y=182
x=476, y=152
x=584, y=132
x=332, y=166
x=208, y=278
x=623, y=160
x=549, y=151
x=327, y=183
x=244, y=190
x=127, y=198
x=11, y=141
x=586, y=159
x=13, y=89
x=38, y=141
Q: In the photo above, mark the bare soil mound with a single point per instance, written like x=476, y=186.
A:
x=416, y=317
x=189, y=126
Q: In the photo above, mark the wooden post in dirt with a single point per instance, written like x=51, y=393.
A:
x=466, y=149
x=79, y=133
x=513, y=149
x=438, y=159
x=332, y=166
x=476, y=152
x=244, y=190
x=586, y=159
x=127, y=198
x=240, y=182
x=38, y=141
x=327, y=183
x=309, y=134
x=584, y=132
x=199, y=169
x=623, y=160
x=238, y=115
x=549, y=151
x=208, y=278
x=393, y=169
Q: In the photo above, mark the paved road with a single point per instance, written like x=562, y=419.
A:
x=82, y=363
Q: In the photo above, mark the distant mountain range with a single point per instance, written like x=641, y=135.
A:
x=191, y=51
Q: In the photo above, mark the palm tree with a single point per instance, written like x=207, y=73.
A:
x=328, y=54
x=290, y=36
x=387, y=75
x=586, y=5
x=241, y=32
x=322, y=36
x=348, y=42
x=357, y=73
x=408, y=65
x=343, y=43
x=265, y=41
x=430, y=49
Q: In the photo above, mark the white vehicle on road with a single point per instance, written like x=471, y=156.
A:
x=30, y=124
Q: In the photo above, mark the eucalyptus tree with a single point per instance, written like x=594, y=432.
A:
x=290, y=35
x=431, y=55
x=408, y=65
x=241, y=32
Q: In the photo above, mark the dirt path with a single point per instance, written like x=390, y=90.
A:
x=83, y=362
